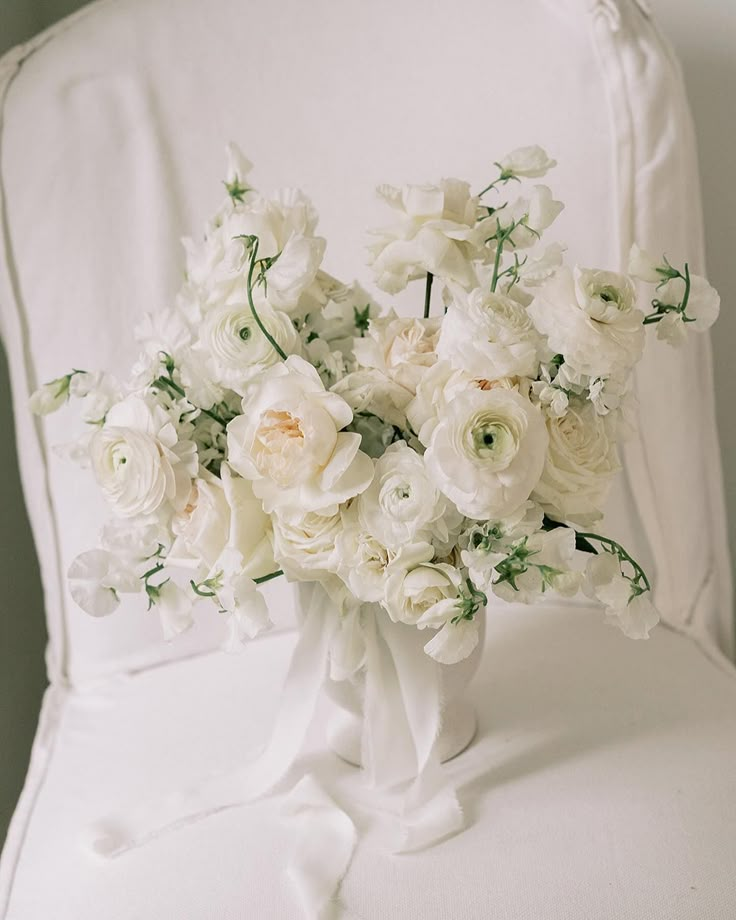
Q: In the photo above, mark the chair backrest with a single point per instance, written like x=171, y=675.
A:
x=113, y=129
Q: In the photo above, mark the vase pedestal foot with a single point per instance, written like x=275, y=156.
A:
x=459, y=726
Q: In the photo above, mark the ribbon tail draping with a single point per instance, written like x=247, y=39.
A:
x=118, y=833
x=325, y=841
x=403, y=710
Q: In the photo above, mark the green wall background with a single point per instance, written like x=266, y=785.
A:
x=704, y=34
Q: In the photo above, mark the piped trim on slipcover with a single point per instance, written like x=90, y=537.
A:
x=698, y=605
x=13, y=329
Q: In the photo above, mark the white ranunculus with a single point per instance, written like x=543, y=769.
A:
x=400, y=347
x=527, y=162
x=289, y=442
x=549, y=567
x=581, y=461
x=362, y=561
x=174, y=608
x=97, y=578
x=237, y=350
x=636, y=616
x=454, y=641
x=138, y=461
x=304, y=543
x=489, y=336
x=591, y=318
x=487, y=452
x=294, y=271
x=417, y=589
x=436, y=232
x=402, y=505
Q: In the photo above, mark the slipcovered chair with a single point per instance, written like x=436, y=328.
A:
x=602, y=782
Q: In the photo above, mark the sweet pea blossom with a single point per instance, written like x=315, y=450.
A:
x=290, y=442
x=97, y=578
x=633, y=613
x=529, y=162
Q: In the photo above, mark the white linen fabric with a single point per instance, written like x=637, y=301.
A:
x=600, y=784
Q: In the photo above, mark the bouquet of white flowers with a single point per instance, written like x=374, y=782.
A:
x=278, y=422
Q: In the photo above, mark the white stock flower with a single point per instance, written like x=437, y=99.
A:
x=294, y=271
x=400, y=347
x=96, y=578
x=489, y=335
x=290, y=442
x=487, y=452
x=454, y=641
x=237, y=350
x=527, y=162
x=436, y=232
x=138, y=460
x=304, y=542
x=591, y=318
x=581, y=461
x=634, y=616
x=402, y=505
x=419, y=590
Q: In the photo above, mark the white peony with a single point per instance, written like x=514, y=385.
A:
x=289, y=442
x=436, y=232
x=634, y=616
x=581, y=461
x=235, y=347
x=138, y=461
x=530, y=162
x=487, y=452
x=591, y=318
x=419, y=592
x=402, y=505
x=400, y=347
x=489, y=336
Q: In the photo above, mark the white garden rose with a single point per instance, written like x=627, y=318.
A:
x=489, y=336
x=236, y=348
x=400, y=347
x=581, y=461
x=436, y=232
x=420, y=592
x=526, y=162
x=304, y=543
x=590, y=317
x=487, y=452
x=289, y=442
x=402, y=505
x=138, y=460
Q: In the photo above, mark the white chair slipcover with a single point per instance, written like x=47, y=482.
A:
x=602, y=784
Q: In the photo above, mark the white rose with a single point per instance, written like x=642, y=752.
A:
x=289, y=442
x=304, y=543
x=581, y=460
x=634, y=616
x=96, y=578
x=237, y=350
x=138, y=461
x=530, y=162
x=294, y=271
x=436, y=232
x=489, y=335
x=590, y=317
x=400, y=347
x=488, y=452
x=419, y=590
x=402, y=505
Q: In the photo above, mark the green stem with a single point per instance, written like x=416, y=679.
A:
x=428, y=294
x=497, y=262
x=254, y=252
x=168, y=382
x=269, y=577
x=621, y=553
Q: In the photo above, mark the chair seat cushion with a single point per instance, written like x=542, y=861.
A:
x=600, y=785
